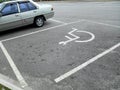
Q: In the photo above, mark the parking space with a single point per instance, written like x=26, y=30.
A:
x=44, y=56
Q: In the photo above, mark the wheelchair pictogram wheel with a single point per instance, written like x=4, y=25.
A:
x=87, y=40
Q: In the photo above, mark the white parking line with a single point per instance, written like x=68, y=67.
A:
x=116, y=26
x=62, y=77
x=57, y=27
x=40, y=31
x=13, y=66
x=57, y=21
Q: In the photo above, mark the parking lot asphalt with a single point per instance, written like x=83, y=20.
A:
x=107, y=12
x=82, y=34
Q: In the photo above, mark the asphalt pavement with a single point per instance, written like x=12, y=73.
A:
x=78, y=49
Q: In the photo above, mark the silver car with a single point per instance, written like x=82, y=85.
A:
x=19, y=13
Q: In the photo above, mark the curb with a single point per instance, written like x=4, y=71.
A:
x=11, y=84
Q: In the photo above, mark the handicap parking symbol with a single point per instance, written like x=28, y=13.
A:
x=76, y=38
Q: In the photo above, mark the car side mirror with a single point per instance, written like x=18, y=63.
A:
x=0, y=14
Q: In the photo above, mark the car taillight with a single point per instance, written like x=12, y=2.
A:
x=52, y=9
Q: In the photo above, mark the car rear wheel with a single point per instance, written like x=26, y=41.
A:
x=39, y=21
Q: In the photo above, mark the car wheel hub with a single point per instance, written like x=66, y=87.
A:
x=39, y=22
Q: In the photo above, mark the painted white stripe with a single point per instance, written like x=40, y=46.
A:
x=13, y=66
x=62, y=77
x=116, y=26
x=90, y=39
x=57, y=21
x=6, y=82
x=40, y=31
x=57, y=27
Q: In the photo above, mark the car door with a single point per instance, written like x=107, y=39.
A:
x=10, y=17
x=28, y=12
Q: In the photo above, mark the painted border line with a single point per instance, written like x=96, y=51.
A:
x=58, y=21
x=71, y=72
x=41, y=30
x=35, y=32
x=13, y=66
x=116, y=26
x=57, y=27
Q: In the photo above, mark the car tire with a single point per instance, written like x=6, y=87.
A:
x=39, y=21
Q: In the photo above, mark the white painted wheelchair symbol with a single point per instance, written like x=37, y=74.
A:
x=75, y=39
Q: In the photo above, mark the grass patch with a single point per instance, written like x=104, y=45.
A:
x=3, y=87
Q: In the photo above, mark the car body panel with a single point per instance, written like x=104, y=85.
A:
x=26, y=17
x=10, y=21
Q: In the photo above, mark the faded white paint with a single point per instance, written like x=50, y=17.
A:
x=77, y=37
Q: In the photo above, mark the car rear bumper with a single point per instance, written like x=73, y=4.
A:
x=49, y=15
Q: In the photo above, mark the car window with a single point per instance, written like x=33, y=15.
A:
x=1, y=5
x=23, y=6
x=31, y=6
x=9, y=9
